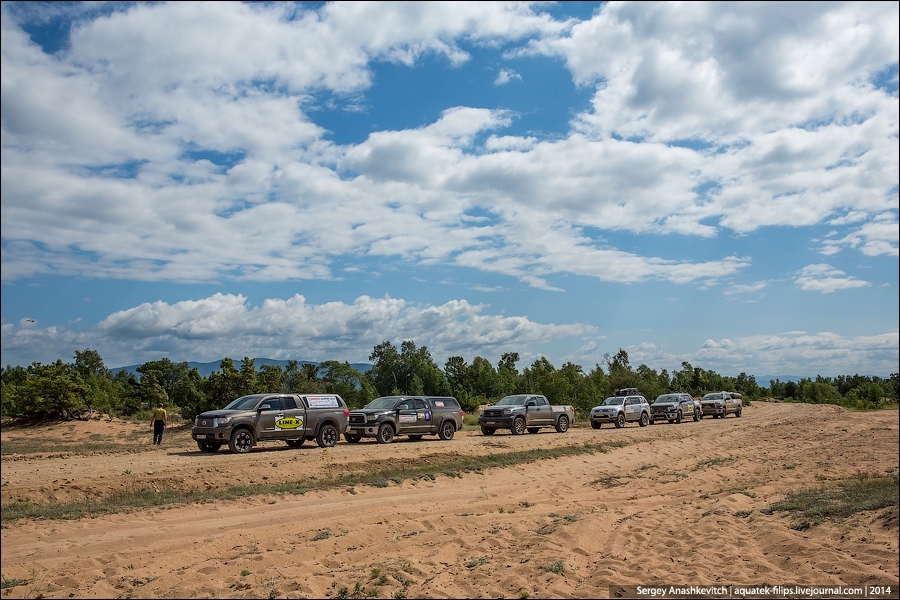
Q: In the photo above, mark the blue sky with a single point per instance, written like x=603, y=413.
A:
x=714, y=183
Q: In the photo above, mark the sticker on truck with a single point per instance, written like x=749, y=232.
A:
x=322, y=401
x=408, y=418
x=289, y=423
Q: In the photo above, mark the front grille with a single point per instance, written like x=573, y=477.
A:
x=357, y=419
x=493, y=413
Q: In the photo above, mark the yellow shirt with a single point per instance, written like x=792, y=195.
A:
x=159, y=414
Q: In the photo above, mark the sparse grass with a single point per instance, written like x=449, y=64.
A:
x=558, y=567
x=475, y=562
x=862, y=492
x=136, y=498
x=244, y=572
x=710, y=462
x=9, y=582
x=322, y=534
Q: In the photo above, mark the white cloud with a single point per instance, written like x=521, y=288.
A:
x=227, y=325
x=790, y=353
x=771, y=109
x=505, y=76
x=826, y=279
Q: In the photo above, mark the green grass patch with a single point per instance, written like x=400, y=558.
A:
x=451, y=466
x=711, y=462
x=862, y=492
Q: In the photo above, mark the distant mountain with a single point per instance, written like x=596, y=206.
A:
x=205, y=368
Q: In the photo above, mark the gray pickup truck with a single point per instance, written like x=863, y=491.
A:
x=414, y=416
x=525, y=412
x=290, y=418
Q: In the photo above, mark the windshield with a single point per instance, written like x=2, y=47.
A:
x=717, y=396
x=614, y=401
x=666, y=398
x=512, y=401
x=385, y=403
x=243, y=403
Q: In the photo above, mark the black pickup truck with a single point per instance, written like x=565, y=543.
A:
x=413, y=416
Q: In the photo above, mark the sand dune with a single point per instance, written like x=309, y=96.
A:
x=676, y=504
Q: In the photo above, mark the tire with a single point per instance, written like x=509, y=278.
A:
x=533, y=429
x=696, y=415
x=596, y=425
x=645, y=420
x=352, y=439
x=678, y=417
x=518, y=427
x=562, y=424
x=448, y=428
x=295, y=443
x=385, y=434
x=652, y=420
x=620, y=421
x=208, y=446
x=487, y=430
x=328, y=436
x=241, y=441
x=416, y=437
x=738, y=413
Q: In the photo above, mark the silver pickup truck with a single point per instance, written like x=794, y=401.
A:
x=525, y=412
x=721, y=404
x=413, y=416
x=290, y=418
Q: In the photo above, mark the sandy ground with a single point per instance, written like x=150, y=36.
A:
x=676, y=504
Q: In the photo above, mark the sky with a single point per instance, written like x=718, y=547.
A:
x=714, y=183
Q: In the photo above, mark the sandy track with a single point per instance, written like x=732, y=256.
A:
x=677, y=504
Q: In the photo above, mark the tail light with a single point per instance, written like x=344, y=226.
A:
x=346, y=413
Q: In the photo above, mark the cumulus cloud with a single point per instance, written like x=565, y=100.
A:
x=505, y=76
x=228, y=325
x=190, y=170
x=826, y=279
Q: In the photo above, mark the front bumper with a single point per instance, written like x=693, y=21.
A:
x=211, y=434
x=497, y=422
x=710, y=409
x=604, y=418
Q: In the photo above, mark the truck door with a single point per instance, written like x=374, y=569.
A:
x=424, y=416
x=268, y=411
x=538, y=411
x=292, y=421
x=632, y=406
x=407, y=417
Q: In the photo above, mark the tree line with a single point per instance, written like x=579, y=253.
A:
x=69, y=390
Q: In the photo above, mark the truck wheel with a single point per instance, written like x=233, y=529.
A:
x=533, y=429
x=241, y=441
x=645, y=420
x=518, y=427
x=448, y=428
x=295, y=443
x=678, y=417
x=328, y=436
x=696, y=415
x=596, y=425
x=208, y=446
x=562, y=424
x=385, y=434
x=487, y=430
x=352, y=439
x=620, y=421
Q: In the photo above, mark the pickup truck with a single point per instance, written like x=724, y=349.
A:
x=674, y=408
x=413, y=416
x=291, y=418
x=525, y=412
x=720, y=404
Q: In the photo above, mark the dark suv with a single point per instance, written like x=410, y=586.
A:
x=413, y=416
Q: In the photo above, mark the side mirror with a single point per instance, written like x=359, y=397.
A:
x=263, y=407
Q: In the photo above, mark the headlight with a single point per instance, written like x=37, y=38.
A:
x=507, y=411
x=221, y=421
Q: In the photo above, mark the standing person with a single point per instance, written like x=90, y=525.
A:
x=160, y=421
